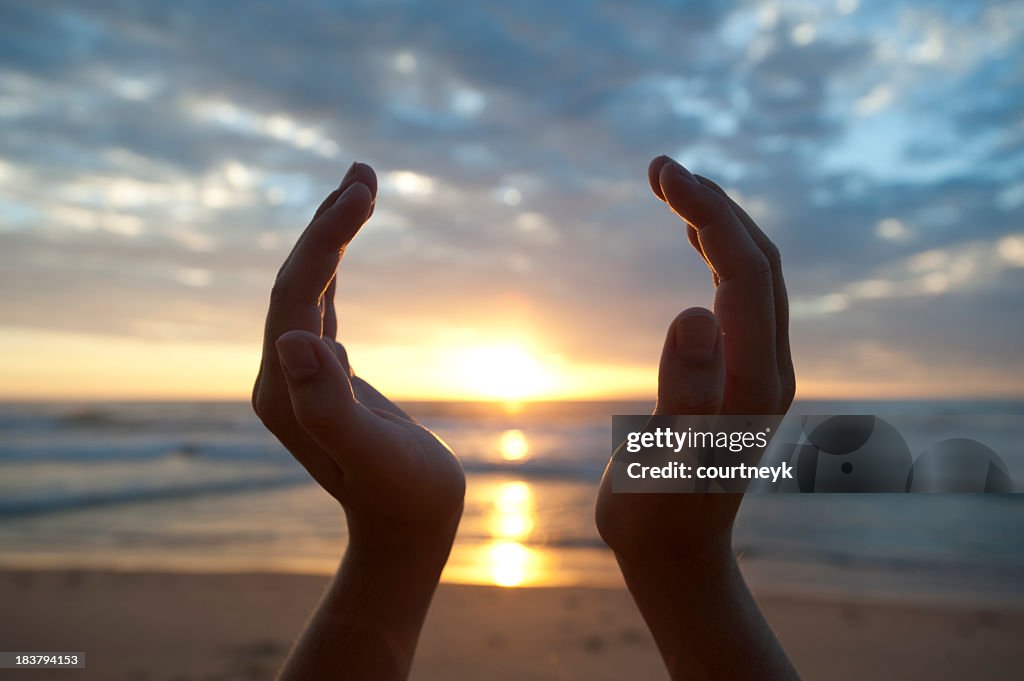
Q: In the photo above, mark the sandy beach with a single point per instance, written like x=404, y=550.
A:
x=141, y=626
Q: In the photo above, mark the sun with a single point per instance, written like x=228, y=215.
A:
x=503, y=372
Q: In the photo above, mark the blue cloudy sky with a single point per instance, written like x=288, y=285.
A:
x=157, y=159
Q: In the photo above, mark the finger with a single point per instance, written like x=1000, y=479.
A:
x=295, y=299
x=723, y=239
x=744, y=300
x=314, y=261
x=654, y=178
x=285, y=314
x=321, y=396
x=781, y=298
x=357, y=172
x=691, y=376
x=290, y=310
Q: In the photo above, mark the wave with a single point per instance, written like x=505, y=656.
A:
x=76, y=450
x=71, y=501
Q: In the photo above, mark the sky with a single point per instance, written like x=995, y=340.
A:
x=158, y=159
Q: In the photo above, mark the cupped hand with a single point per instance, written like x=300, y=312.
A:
x=734, y=360
x=397, y=481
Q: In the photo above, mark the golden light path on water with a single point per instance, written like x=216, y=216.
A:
x=511, y=519
x=505, y=557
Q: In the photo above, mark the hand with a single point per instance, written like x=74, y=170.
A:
x=735, y=360
x=399, y=484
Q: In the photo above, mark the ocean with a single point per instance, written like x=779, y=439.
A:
x=203, y=487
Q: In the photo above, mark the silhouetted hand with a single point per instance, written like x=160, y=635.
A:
x=401, y=487
x=675, y=550
x=397, y=482
x=735, y=360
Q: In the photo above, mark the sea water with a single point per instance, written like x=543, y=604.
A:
x=202, y=486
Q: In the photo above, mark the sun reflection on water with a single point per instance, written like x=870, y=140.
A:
x=510, y=562
x=511, y=516
x=513, y=445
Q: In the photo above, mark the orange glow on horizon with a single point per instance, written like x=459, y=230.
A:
x=56, y=365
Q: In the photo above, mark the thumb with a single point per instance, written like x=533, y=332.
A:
x=320, y=392
x=691, y=377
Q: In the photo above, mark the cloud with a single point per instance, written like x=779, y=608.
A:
x=161, y=158
x=962, y=268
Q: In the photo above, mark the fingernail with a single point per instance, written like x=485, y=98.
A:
x=349, y=192
x=697, y=333
x=683, y=172
x=298, y=357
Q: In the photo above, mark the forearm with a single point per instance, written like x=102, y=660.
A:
x=368, y=622
x=703, y=617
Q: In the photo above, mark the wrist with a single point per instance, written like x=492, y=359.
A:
x=710, y=556
x=400, y=544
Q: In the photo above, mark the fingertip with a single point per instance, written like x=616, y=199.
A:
x=675, y=190
x=365, y=174
x=360, y=173
x=654, y=174
x=692, y=371
x=694, y=312
x=298, y=354
x=696, y=333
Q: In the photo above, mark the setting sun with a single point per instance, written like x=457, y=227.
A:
x=504, y=372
